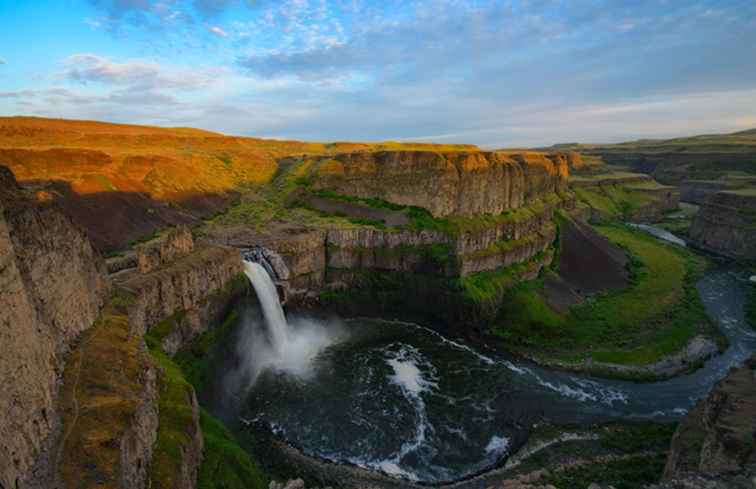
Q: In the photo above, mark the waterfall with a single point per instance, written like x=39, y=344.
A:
x=266, y=291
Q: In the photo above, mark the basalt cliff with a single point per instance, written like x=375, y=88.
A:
x=726, y=224
x=459, y=183
x=52, y=285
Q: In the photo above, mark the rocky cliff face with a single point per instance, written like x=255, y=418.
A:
x=459, y=183
x=726, y=224
x=52, y=284
x=717, y=439
x=182, y=288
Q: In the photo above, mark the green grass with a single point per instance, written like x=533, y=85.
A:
x=637, y=437
x=225, y=465
x=421, y=219
x=195, y=358
x=144, y=239
x=614, y=200
x=482, y=287
x=656, y=315
x=627, y=473
x=176, y=422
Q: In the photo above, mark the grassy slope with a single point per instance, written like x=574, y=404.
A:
x=656, y=316
x=615, y=201
x=639, y=450
x=225, y=464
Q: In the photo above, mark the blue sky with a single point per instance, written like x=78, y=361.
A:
x=494, y=73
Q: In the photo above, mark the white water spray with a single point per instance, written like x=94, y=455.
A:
x=277, y=344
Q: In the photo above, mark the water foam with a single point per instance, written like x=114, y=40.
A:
x=586, y=390
x=498, y=445
x=412, y=381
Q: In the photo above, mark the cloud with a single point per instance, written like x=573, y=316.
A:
x=218, y=31
x=91, y=68
x=2, y=61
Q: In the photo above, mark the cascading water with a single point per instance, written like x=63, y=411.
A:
x=281, y=345
x=271, y=306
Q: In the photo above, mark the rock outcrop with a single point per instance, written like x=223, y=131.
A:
x=52, y=285
x=726, y=224
x=109, y=408
x=181, y=291
x=714, y=446
x=454, y=183
x=154, y=254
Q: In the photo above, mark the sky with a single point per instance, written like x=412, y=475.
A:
x=493, y=73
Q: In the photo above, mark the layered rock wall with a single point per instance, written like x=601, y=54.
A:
x=458, y=183
x=726, y=224
x=157, y=253
x=52, y=285
x=182, y=286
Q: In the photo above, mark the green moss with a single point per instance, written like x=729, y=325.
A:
x=500, y=247
x=195, y=358
x=485, y=286
x=176, y=422
x=225, y=465
x=102, y=386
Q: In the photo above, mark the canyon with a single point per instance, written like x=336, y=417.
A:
x=104, y=359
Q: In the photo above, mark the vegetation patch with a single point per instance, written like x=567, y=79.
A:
x=225, y=464
x=483, y=287
x=655, y=316
x=590, y=451
x=623, y=473
x=177, y=428
x=421, y=219
x=615, y=200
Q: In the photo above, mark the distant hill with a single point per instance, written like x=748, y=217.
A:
x=708, y=156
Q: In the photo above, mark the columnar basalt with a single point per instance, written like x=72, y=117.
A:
x=182, y=287
x=454, y=183
x=726, y=224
